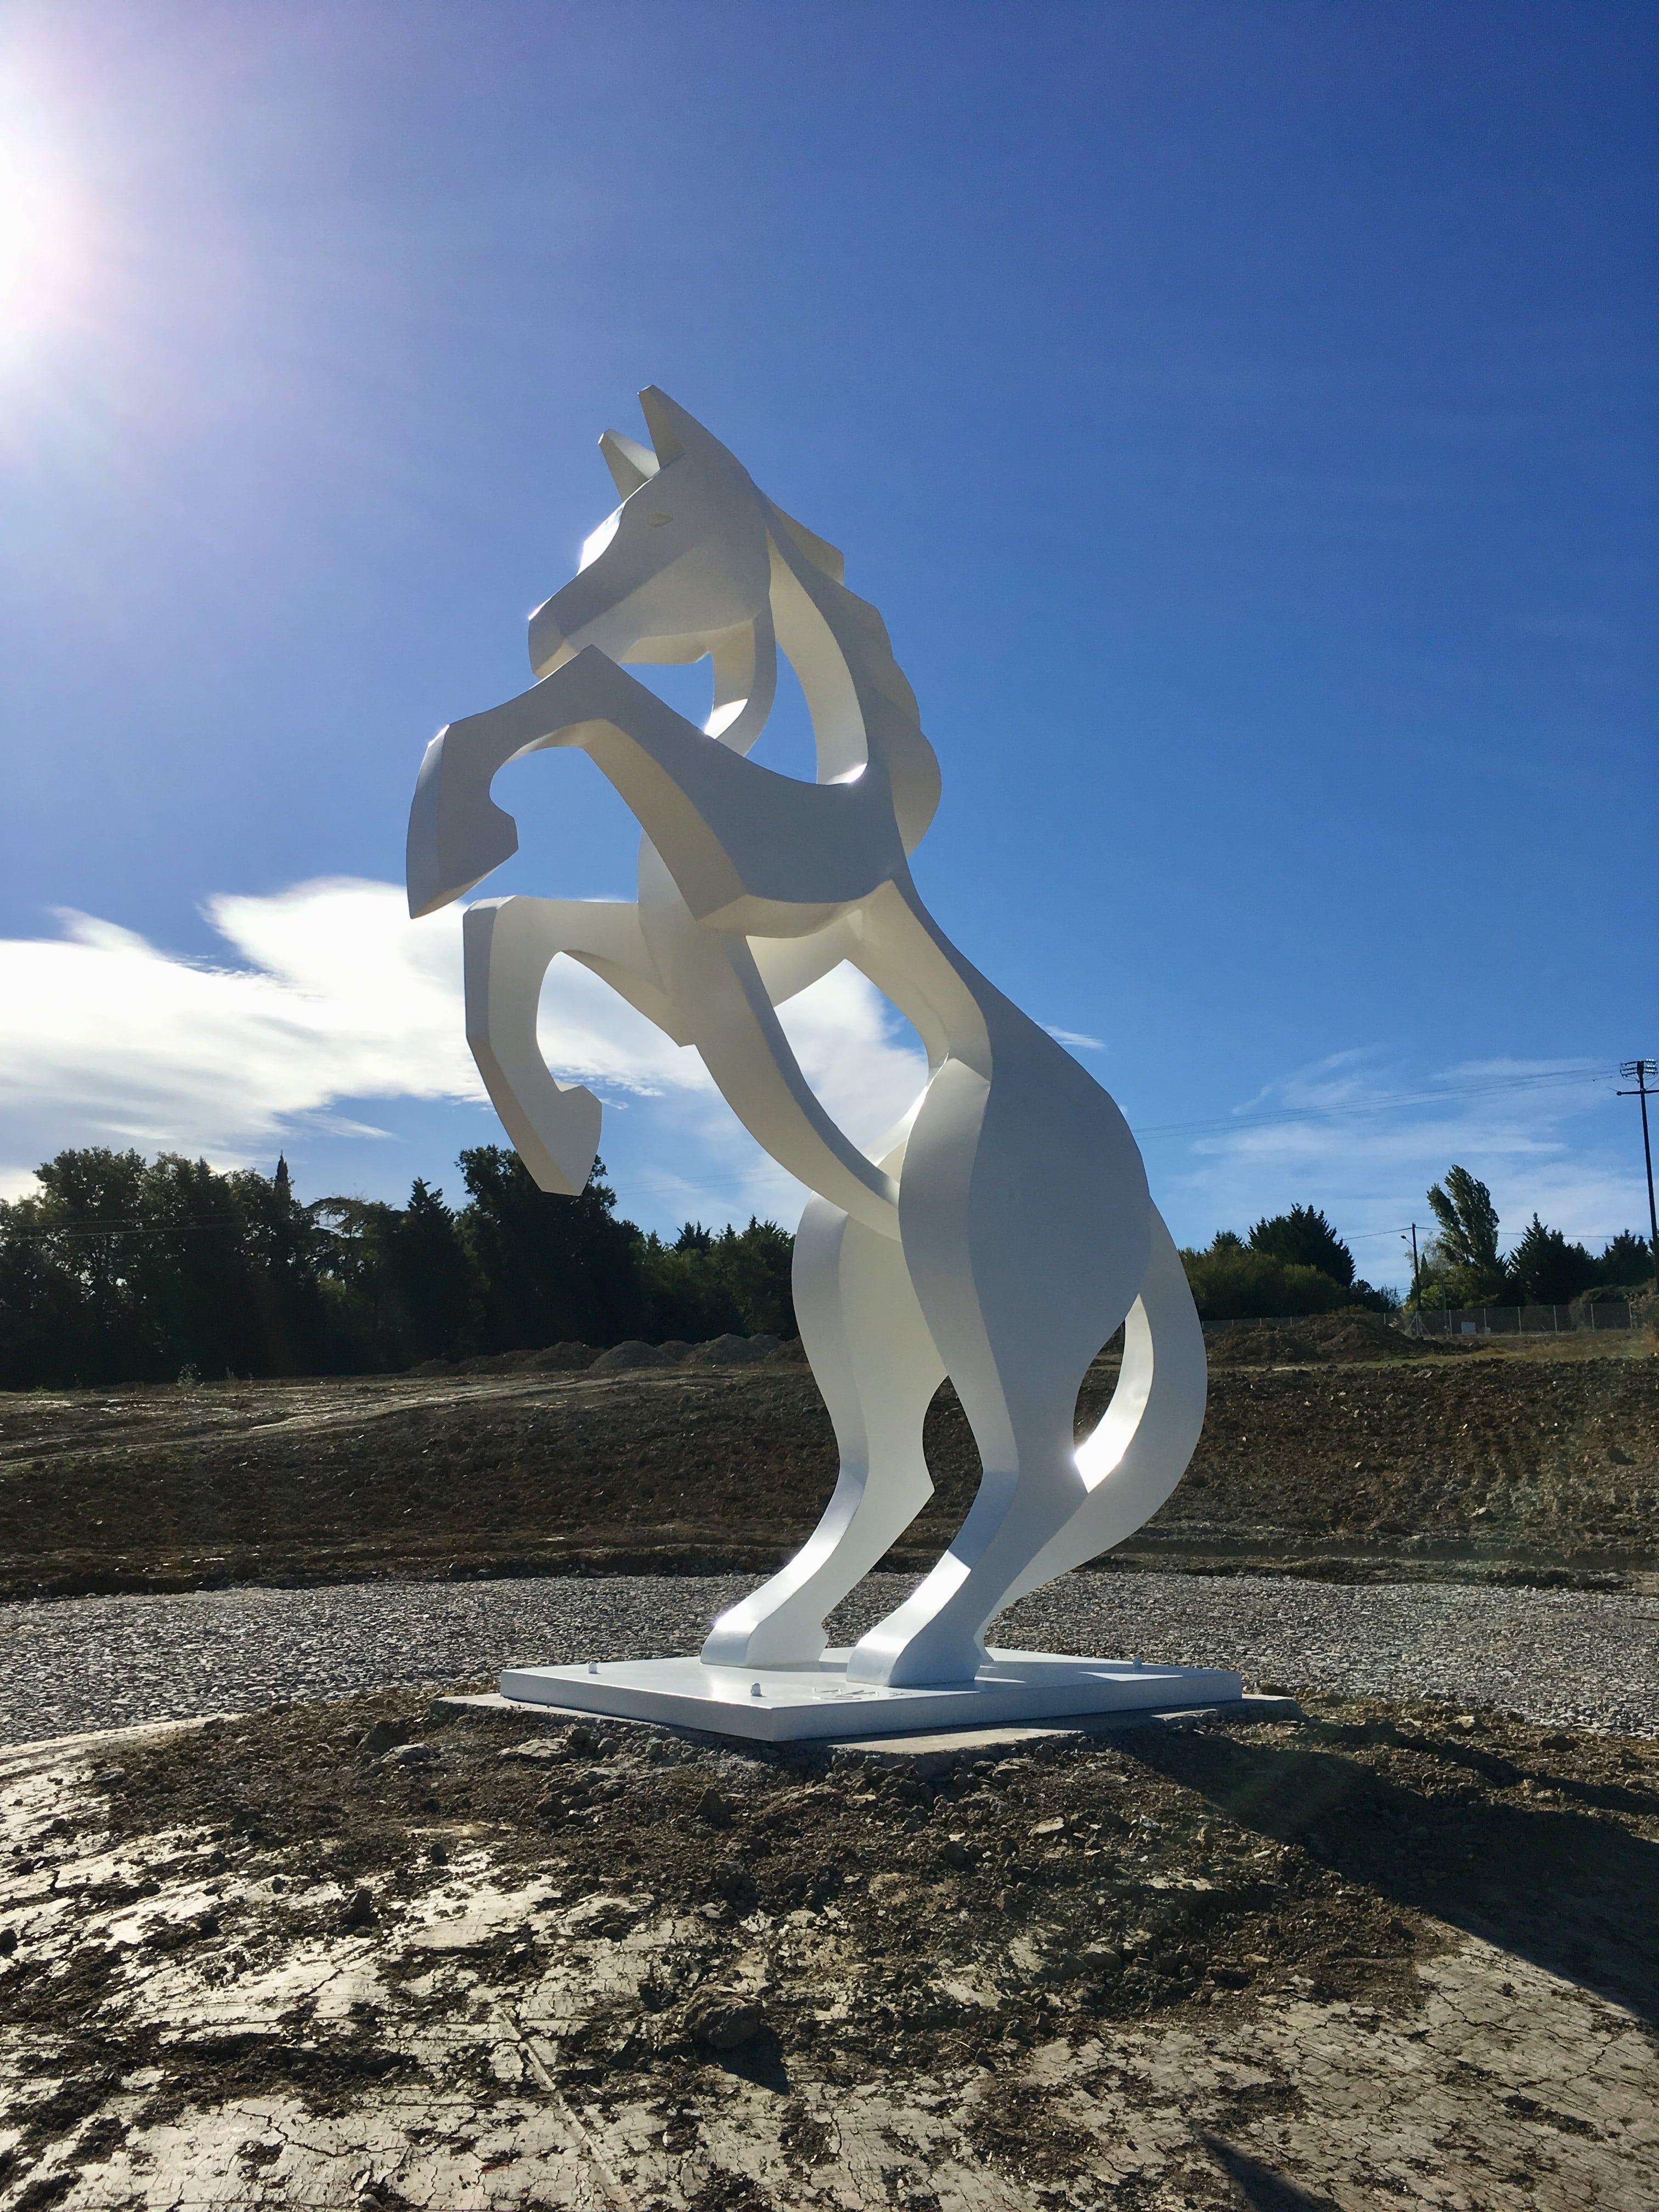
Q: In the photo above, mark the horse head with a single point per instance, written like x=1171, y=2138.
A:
x=683, y=560
x=695, y=561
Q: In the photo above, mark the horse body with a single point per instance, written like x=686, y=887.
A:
x=1004, y=1230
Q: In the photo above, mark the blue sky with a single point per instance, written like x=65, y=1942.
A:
x=1243, y=416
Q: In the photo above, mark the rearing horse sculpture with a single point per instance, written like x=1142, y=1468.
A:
x=1003, y=1231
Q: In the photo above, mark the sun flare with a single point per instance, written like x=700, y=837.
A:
x=39, y=241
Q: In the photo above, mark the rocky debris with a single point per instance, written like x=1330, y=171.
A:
x=410, y=1754
x=723, y=2020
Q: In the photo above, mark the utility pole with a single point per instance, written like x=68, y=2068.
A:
x=1645, y=1071
x=1415, y=1325
x=1416, y=1291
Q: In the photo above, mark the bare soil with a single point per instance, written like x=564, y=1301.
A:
x=1537, y=1463
x=340, y=1954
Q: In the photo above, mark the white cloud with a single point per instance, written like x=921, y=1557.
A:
x=326, y=998
x=1076, y=1040
x=105, y=1039
x=328, y=994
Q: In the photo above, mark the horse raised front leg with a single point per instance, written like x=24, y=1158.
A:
x=509, y=945
x=878, y=1367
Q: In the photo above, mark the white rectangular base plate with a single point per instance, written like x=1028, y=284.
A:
x=788, y=1705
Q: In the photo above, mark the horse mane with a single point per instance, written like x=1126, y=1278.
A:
x=819, y=551
x=818, y=571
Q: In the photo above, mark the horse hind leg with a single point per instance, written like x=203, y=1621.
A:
x=1018, y=1348
x=1145, y=1440
x=1066, y=1504
x=1027, y=1225
x=1029, y=1491
x=878, y=1367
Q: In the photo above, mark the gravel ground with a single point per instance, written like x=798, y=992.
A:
x=1559, y=1657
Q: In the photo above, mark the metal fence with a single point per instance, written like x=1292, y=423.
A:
x=1520, y=1320
x=1294, y=1320
x=1472, y=1320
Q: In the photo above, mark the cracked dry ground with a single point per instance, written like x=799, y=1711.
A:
x=341, y=1956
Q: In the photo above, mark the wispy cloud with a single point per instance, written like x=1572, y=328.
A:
x=1364, y=1137
x=1076, y=1040
x=328, y=997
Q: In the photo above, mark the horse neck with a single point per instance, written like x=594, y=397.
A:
x=745, y=665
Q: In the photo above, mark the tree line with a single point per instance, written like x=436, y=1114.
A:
x=1461, y=1265
x=1296, y=1263
x=1288, y=1263
x=119, y=1269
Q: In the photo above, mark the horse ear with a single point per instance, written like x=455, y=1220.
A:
x=629, y=463
x=671, y=428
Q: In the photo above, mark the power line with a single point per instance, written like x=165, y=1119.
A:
x=693, y=1188
x=127, y=1229
x=1590, y=1072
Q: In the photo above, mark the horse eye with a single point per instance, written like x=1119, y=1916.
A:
x=658, y=520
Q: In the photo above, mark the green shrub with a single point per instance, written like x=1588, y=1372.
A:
x=1231, y=1282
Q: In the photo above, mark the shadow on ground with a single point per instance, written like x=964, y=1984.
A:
x=1539, y=1865
x=1262, y=2187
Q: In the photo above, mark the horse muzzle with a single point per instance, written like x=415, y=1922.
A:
x=578, y=615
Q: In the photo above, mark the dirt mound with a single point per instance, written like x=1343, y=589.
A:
x=732, y=1351
x=550, y=1359
x=1321, y=1339
x=630, y=1353
x=576, y=1359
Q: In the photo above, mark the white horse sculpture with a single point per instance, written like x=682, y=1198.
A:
x=1003, y=1231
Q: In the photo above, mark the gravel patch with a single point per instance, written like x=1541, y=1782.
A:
x=1562, y=1658
x=1559, y=1657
